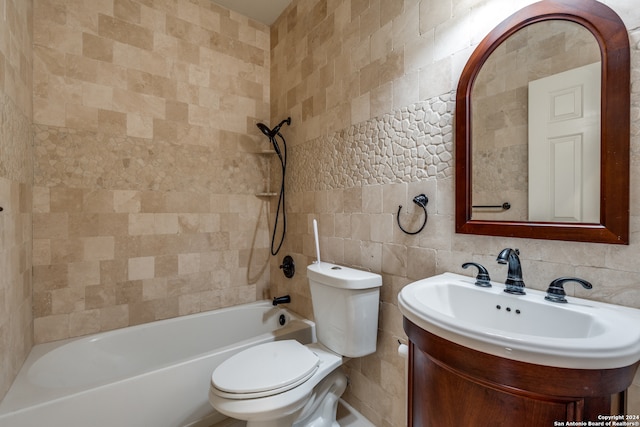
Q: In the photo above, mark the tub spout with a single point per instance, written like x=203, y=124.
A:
x=282, y=300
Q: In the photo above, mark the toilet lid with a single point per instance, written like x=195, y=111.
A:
x=272, y=366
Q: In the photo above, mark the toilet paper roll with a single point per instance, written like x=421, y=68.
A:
x=403, y=350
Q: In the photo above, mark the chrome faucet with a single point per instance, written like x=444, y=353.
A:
x=514, y=283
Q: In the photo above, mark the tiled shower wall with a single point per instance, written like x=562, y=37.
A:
x=367, y=84
x=16, y=178
x=146, y=162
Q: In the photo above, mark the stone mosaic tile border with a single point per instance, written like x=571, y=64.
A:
x=411, y=144
x=87, y=159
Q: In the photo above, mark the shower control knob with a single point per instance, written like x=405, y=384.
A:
x=288, y=267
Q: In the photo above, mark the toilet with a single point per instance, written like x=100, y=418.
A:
x=285, y=383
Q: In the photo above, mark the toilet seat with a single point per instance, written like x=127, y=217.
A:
x=264, y=370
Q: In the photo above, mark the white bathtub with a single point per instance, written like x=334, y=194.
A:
x=151, y=375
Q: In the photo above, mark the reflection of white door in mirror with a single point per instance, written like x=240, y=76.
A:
x=564, y=144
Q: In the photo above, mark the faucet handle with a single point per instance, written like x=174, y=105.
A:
x=556, y=293
x=482, y=279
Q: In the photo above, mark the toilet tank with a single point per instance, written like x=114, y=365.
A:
x=345, y=308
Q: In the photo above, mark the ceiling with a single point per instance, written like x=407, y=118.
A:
x=265, y=11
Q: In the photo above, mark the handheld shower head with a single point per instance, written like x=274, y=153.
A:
x=273, y=132
x=264, y=129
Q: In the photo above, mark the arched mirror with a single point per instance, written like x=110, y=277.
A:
x=542, y=127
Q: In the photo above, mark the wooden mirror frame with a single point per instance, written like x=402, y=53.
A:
x=613, y=40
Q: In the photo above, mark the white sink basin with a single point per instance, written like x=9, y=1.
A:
x=582, y=334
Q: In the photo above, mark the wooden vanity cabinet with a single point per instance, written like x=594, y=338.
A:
x=451, y=385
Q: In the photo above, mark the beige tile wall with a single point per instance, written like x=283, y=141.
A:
x=347, y=72
x=16, y=179
x=146, y=164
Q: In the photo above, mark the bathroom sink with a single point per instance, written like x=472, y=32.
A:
x=582, y=334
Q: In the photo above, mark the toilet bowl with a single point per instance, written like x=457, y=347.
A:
x=285, y=383
x=308, y=387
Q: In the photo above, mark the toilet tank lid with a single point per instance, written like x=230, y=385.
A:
x=339, y=276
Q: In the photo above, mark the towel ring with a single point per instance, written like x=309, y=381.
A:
x=420, y=200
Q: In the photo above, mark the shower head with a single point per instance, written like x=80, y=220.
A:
x=264, y=129
x=273, y=132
